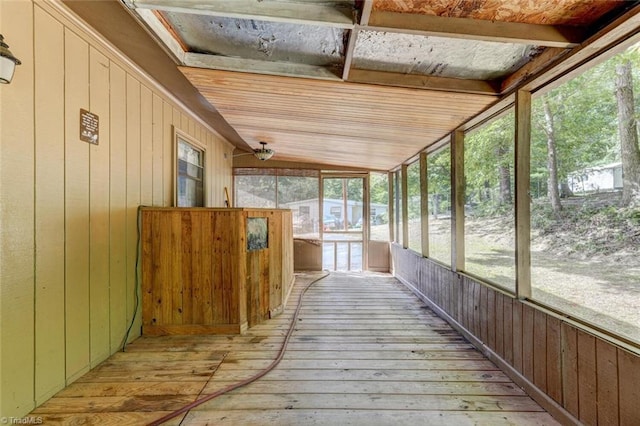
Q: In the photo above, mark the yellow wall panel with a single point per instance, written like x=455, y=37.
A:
x=167, y=150
x=17, y=216
x=133, y=200
x=158, y=172
x=117, y=206
x=184, y=123
x=99, y=210
x=76, y=96
x=146, y=148
x=49, y=203
x=68, y=209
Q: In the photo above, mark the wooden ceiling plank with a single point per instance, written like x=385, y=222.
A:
x=203, y=79
x=302, y=12
x=415, y=81
x=363, y=125
x=169, y=40
x=285, y=69
x=495, y=31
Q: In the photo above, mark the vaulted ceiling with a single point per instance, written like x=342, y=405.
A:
x=362, y=83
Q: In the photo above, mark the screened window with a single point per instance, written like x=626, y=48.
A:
x=439, y=199
x=397, y=176
x=190, y=174
x=585, y=181
x=379, y=206
x=489, y=226
x=413, y=206
x=255, y=191
x=298, y=190
x=300, y=194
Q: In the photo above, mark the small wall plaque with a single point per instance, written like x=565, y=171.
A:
x=88, y=127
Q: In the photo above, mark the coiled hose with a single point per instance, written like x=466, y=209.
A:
x=251, y=379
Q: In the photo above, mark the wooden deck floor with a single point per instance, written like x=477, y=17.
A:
x=365, y=351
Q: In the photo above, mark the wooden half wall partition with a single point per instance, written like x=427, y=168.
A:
x=580, y=378
x=199, y=276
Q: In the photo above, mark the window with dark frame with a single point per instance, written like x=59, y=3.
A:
x=190, y=174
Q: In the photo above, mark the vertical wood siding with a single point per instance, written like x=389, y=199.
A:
x=198, y=276
x=17, y=211
x=68, y=212
x=592, y=379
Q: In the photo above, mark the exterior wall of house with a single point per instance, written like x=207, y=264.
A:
x=68, y=209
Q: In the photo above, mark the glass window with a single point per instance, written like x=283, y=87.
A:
x=293, y=189
x=379, y=206
x=398, y=210
x=300, y=194
x=413, y=206
x=255, y=191
x=585, y=181
x=489, y=227
x=190, y=167
x=439, y=198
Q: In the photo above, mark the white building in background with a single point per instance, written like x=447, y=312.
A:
x=595, y=179
x=307, y=212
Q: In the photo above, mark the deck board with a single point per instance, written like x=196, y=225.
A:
x=363, y=348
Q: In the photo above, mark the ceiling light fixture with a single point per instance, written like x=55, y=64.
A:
x=263, y=153
x=8, y=62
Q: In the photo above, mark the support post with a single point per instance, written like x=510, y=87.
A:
x=424, y=204
x=457, y=204
x=523, y=197
x=405, y=213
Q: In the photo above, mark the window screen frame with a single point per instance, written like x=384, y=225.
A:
x=178, y=137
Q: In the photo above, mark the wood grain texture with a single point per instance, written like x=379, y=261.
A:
x=294, y=112
x=372, y=365
x=607, y=382
x=199, y=277
x=587, y=378
x=570, y=12
x=629, y=391
x=554, y=359
x=570, y=369
x=540, y=349
x=68, y=210
x=528, y=342
x=592, y=379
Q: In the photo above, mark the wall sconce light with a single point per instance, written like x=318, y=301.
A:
x=8, y=62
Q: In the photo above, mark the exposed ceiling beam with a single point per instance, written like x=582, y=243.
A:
x=415, y=81
x=287, y=69
x=300, y=12
x=348, y=55
x=159, y=29
x=476, y=29
x=367, y=5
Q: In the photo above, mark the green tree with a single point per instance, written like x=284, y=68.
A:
x=628, y=133
x=488, y=165
x=439, y=181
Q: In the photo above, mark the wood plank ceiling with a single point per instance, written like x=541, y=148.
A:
x=363, y=84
